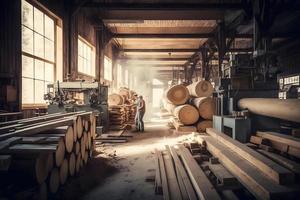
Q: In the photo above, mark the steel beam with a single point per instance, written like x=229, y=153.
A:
x=151, y=59
x=179, y=50
x=165, y=6
x=174, y=36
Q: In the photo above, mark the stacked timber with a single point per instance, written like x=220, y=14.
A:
x=117, y=118
x=47, y=149
x=192, y=106
x=115, y=99
x=122, y=108
x=285, y=144
x=178, y=176
x=264, y=174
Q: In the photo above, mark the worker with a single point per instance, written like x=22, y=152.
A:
x=141, y=108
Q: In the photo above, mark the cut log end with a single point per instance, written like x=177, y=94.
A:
x=54, y=180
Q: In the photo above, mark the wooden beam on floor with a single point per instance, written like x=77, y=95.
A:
x=260, y=185
x=164, y=180
x=183, y=175
x=290, y=164
x=282, y=138
x=174, y=189
x=275, y=171
x=204, y=188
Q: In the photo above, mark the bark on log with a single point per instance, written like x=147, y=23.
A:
x=186, y=114
x=205, y=105
x=286, y=109
x=115, y=99
x=177, y=94
x=200, y=89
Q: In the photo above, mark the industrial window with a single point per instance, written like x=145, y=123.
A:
x=86, y=61
x=107, y=69
x=38, y=53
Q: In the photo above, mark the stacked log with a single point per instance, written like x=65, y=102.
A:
x=122, y=108
x=200, y=89
x=117, y=118
x=177, y=94
x=48, y=152
x=192, y=106
x=115, y=99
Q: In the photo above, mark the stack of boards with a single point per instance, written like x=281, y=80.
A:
x=192, y=106
x=121, y=109
x=214, y=166
x=47, y=149
x=117, y=117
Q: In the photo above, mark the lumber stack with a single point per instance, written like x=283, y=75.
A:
x=191, y=105
x=117, y=117
x=284, y=144
x=122, y=108
x=263, y=174
x=178, y=176
x=48, y=149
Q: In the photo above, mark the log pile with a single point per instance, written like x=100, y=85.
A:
x=47, y=149
x=117, y=118
x=122, y=109
x=192, y=106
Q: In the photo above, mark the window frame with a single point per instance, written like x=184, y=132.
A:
x=32, y=55
x=93, y=53
x=111, y=68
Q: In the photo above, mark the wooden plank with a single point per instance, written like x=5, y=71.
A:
x=258, y=140
x=158, y=185
x=294, y=151
x=111, y=141
x=275, y=171
x=39, y=128
x=291, y=165
x=202, y=185
x=223, y=175
x=32, y=148
x=164, y=180
x=285, y=139
x=174, y=189
x=260, y=185
x=183, y=175
x=6, y=143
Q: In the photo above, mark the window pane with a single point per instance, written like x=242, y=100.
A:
x=49, y=72
x=38, y=45
x=80, y=48
x=39, y=69
x=27, y=14
x=27, y=67
x=39, y=91
x=27, y=40
x=49, y=28
x=80, y=64
x=38, y=21
x=49, y=50
x=27, y=90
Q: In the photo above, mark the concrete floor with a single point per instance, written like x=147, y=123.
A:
x=135, y=161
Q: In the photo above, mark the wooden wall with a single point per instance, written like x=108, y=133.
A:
x=10, y=52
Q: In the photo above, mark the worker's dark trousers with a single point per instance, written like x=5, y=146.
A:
x=139, y=121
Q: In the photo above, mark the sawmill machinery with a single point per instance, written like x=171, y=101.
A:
x=79, y=96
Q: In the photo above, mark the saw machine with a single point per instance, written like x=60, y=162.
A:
x=79, y=96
